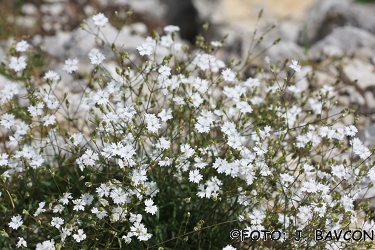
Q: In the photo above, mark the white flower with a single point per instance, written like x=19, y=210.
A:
x=127, y=238
x=70, y=65
x=100, y=19
x=165, y=70
x=65, y=199
x=166, y=41
x=48, y=244
x=147, y=48
x=57, y=222
x=163, y=143
x=371, y=174
x=195, y=176
x=228, y=75
x=200, y=84
x=165, y=115
x=7, y=120
x=22, y=46
x=17, y=63
x=294, y=65
x=196, y=99
x=48, y=120
x=58, y=208
x=152, y=122
x=150, y=207
x=21, y=242
x=350, y=130
x=286, y=178
x=229, y=247
x=52, y=75
x=36, y=110
x=216, y=44
x=96, y=57
x=16, y=222
x=80, y=236
x=9, y=90
x=171, y=28
x=135, y=217
x=40, y=208
x=79, y=205
x=4, y=159
x=360, y=149
x=76, y=139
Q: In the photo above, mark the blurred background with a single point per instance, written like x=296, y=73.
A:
x=28, y=17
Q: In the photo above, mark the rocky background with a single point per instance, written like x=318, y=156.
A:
x=333, y=39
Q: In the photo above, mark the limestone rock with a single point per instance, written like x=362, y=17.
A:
x=356, y=69
x=326, y=15
x=346, y=39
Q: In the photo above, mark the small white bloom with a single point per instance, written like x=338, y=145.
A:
x=52, y=75
x=216, y=44
x=16, y=222
x=165, y=70
x=163, y=143
x=166, y=41
x=195, y=176
x=150, y=207
x=96, y=57
x=146, y=49
x=70, y=65
x=171, y=28
x=80, y=236
x=229, y=247
x=36, y=110
x=17, y=63
x=294, y=65
x=21, y=242
x=22, y=46
x=165, y=115
x=100, y=19
x=40, y=208
x=228, y=75
x=48, y=120
x=57, y=222
x=153, y=123
x=7, y=120
x=79, y=205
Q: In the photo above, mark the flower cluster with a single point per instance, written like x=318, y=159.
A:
x=180, y=145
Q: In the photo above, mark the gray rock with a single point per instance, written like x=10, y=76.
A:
x=346, y=39
x=301, y=82
x=4, y=81
x=55, y=45
x=2, y=54
x=356, y=98
x=325, y=15
x=343, y=100
x=356, y=69
x=370, y=100
x=367, y=135
x=367, y=193
x=79, y=42
x=365, y=54
x=323, y=78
